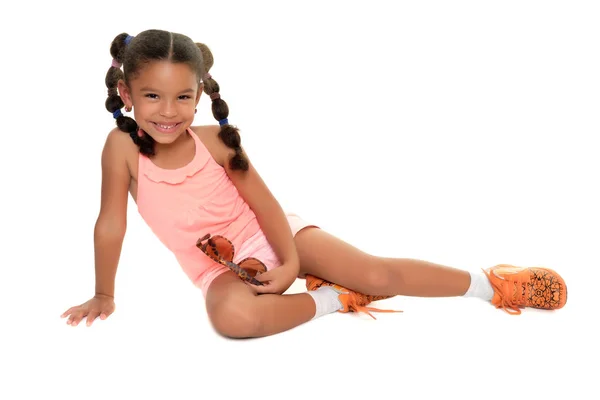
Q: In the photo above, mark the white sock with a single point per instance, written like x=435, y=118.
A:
x=326, y=300
x=480, y=286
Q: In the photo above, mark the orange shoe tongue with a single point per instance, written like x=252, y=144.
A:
x=508, y=294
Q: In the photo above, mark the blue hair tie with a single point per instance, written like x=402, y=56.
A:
x=223, y=121
x=128, y=39
x=117, y=114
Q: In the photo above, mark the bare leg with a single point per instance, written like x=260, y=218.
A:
x=327, y=257
x=236, y=311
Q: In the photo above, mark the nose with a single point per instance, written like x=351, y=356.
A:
x=168, y=109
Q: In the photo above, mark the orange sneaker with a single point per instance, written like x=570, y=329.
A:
x=351, y=301
x=516, y=287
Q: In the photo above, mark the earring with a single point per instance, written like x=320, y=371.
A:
x=128, y=108
x=140, y=132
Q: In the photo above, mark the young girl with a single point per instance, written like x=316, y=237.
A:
x=197, y=190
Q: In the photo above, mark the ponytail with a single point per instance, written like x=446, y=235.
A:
x=114, y=103
x=229, y=134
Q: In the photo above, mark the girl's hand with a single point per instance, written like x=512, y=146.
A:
x=277, y=280
x=98, y=306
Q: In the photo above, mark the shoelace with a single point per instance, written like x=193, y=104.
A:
x=510, y=301
x=356, y=301
x=356, y=304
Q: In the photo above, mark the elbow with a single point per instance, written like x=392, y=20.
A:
x=110, y=227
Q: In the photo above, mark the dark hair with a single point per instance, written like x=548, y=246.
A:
x=157, y=45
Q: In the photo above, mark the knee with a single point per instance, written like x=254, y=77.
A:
x=235, y=318
x=376, y=277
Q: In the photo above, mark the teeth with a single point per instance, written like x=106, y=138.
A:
x=165, y=126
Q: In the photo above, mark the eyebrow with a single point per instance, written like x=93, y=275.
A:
x=149, y=89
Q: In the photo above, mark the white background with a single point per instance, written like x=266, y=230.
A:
x=459, y=132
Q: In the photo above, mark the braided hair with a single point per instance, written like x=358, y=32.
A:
x=133, y=53
x=114, y=103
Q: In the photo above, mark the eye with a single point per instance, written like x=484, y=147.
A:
x=185, y=97
x=151, y=96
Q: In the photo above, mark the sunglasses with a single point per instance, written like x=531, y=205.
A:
x=221, y=250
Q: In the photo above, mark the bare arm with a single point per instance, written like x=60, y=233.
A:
x=268, y=211
x=111, y=223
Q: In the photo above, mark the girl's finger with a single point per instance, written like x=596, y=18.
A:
x=91, y=317
x=76, y=317
x=264, y=289
x=69, y=311
x=265, y=276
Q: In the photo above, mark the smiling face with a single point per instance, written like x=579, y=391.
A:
x=164, y=96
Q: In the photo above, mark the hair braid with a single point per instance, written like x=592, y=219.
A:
x=220, y=110
x=114, y=103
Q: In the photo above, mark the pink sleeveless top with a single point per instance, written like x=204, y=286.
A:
x=181, y=205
